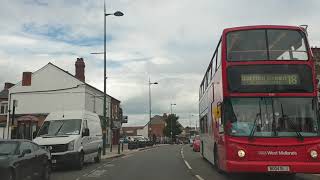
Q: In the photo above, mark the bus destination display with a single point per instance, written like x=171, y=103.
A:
x=270, y=79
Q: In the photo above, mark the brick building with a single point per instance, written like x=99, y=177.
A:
x=131, y=131
x=153, y=129
x=157, y=125
x=4, y=107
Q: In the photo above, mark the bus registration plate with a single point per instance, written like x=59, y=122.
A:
x=278, y=168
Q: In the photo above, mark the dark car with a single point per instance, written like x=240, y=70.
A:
x=23, y=159
x=141, y=141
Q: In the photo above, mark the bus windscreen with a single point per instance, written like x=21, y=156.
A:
x=270, y=78
x=270, y=44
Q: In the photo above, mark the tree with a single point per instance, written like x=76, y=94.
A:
x=176, y=126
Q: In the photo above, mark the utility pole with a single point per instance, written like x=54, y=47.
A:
x=104, y=124
x=171, y=119
x=150, y=83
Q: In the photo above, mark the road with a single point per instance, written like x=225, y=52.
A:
x=165, y=162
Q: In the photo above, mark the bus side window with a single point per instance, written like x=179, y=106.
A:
x=218, y=63
x=218, y=56
x=219, y=116
x=206, y=124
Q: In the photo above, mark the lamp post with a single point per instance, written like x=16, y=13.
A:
x=104, y=132
x=150, y=83
x=171, y=119
x=190, y=115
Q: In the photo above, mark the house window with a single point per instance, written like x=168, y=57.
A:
x=3, y=107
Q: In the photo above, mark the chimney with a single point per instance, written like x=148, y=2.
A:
x=26, y=78
x=80, y=69
x=7, y=85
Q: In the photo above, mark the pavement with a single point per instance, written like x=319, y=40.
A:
x=114, y=153
x=169, y=162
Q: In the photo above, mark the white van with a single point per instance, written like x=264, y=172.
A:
x=72, y=137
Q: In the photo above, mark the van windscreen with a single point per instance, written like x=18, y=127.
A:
x=60, y=127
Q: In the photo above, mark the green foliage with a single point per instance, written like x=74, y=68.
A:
x=172, y=119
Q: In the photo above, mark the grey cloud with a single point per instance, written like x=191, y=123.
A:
x=171, y=40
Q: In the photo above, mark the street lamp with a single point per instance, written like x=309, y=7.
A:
x=117, y=13
x=150, y=83
x=190, y=115
x=171, y=118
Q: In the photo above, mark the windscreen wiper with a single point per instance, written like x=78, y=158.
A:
x=292, y=125
x=59, y=129
x=253, y=130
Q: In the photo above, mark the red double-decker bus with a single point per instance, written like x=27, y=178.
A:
x=258, y=102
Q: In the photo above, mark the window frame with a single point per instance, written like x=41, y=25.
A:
x=6, y=108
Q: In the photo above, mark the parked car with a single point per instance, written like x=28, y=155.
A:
x=148, y=142
x=124, y=140
x=141, y=141
x=132, y=144
x=23, y=158
x=196, y=144
x=72, y=137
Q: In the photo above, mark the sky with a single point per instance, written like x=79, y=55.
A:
x=170, y=41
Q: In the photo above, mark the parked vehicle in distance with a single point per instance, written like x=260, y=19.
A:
x=72, y=137
x=148, y=141
x=124, y=140
x=141, y=141
x=23, y=158
x=132, y=144
x=191, y=140
x=196, y=144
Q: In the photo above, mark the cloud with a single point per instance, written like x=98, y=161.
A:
x=171, y=41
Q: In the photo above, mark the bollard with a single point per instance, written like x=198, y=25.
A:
x=122, y=147
x=119, y=148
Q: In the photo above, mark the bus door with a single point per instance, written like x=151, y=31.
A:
x=219, y=131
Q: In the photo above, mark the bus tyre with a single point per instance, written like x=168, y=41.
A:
x=80, y=161
x=216, y=161
x=201, y=149
x=98, y=158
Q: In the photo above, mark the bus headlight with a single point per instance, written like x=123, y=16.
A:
x=71, y=146
x=241, y=153
x=313, y=154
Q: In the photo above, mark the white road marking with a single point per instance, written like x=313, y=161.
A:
x=182, y=155
x=109, y=165
x=199, y=177
x=78, y=179
x=92, y=171
x=126, y=156
x=96, y=173
x=187, y=164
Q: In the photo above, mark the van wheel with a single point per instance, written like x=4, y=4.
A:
x=98, y=158
x=80, y=161
x=216, y=160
